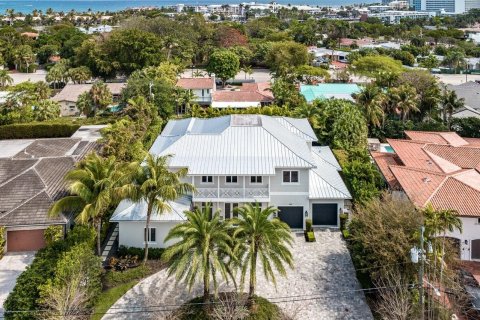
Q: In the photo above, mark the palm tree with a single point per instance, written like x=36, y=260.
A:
x=154, y=184
x=185, y=98
x=247, y=70
x=94, y=187
x=100, y=95
x=371, y=100
x=197, y=74
x=204, y=249
x=5, y=78
x=259, y=236
x=455, y=59
x=310, y=111
x=85, y=104
x=450, y=103
x=404, y=100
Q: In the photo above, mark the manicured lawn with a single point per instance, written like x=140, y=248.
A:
x=109, y=297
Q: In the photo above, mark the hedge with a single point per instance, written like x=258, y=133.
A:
x=153, y=253
x=36, y=130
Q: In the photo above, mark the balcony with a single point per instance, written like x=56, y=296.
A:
x=248, y=194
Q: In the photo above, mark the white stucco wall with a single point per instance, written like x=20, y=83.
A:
x=471, y=231
x=131, y=233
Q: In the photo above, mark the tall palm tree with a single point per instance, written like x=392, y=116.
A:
x=94, y=187
x=310, y=111
x=450, y=103
x=5, y=78
x=404, y=100
x=156, y=185
x=101, y=95
x=371, y=100
x=259, y=236
x=204, y=249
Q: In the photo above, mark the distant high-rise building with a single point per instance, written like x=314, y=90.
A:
x=472, y=4
x=453, y=6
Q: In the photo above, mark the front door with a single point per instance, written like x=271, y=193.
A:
x=293, y=216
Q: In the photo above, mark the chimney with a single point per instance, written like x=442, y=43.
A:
x=214, y=82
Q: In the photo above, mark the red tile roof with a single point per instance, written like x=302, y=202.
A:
x=239, y=96
x=438, y=168
x=195, y=83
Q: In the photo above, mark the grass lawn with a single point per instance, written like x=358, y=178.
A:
x=116, y=284
x=109, y=297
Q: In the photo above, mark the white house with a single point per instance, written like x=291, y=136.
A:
x=202, y=88
x=238, y=159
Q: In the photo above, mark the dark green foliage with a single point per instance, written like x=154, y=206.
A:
x=263, y=310
x=36, y=130
x=431, y=125
x=115, y=278
x=466, y=127
x=343, y=221
x=26, y=292
x=153, y=253
x=393, y=129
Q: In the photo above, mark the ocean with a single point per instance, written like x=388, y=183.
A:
x=115, y=5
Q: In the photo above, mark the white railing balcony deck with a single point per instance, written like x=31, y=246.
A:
x=231, y=193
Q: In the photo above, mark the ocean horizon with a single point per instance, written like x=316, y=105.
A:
x=26, y=6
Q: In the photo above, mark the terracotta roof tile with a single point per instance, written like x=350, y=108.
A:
x=412, y=155
x=239, y=96
x=384, y=161
x=464, y=157
x=448, y=197
x=195, y=83
x=418, y=184
x=450, y=138
x=473, y=142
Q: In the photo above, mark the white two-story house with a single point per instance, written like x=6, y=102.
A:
x=238, y=159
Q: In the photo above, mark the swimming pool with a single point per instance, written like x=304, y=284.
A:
x=385, y=147
x=329, y=90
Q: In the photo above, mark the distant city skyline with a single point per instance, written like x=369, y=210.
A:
x=27, y=6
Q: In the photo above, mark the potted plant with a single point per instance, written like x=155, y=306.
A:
x=309, y=234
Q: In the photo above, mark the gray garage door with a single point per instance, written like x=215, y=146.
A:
x=324, y=214
x=293, y=216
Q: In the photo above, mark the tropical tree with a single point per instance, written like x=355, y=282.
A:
x=371, y=99
x=455, y=59
x=185, y=98
x=309, y=111
x=46, y=110
x=258, y=236
x=24, y=58
x=79, y=75
x=154, y=184
x=57, y=74
x=101, y=96
x=403, y=99
x=85, y=104
x=450, y=103
x=95, y=186
x=203, y=251
x=224, y=63
x=5, y=78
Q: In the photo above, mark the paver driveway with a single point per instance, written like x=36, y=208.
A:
x=322, y=286
x=11, y=266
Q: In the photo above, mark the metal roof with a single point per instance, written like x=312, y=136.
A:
x=325, y=181
x=236, y=144
x=131, y=211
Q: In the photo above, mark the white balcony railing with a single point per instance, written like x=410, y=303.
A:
x=231, y=193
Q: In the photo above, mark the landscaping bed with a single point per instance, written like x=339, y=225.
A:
x=229, y=305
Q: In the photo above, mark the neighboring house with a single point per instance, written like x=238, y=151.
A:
x=329, y=90
x=247, y=96
x=470, y=92
x=238, y=159
x=202, y=88
x=31, y=179
x=324, y=55
x=441, y=169
x=67, y=98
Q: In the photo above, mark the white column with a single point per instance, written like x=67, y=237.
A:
x=244, y=186
x=218, y=186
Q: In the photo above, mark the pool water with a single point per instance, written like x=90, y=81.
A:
x=387, y=148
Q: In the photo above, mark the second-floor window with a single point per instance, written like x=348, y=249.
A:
x=207, y=179
x=256, y=179
x=290, y=176
x=231, y=179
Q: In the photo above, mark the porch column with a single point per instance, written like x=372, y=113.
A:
x=244, y=186
x=218, y=186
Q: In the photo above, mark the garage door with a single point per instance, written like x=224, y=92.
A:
x=293, y=216
x=476, y=249
x=25, y=240
x=324, y=214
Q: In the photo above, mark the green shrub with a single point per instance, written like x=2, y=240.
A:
x=343, y=221
x=52, y=234
x=346, y=234
x=308, y=225
x=3, y=233
x=153, y=253
x=115, y=278
x=36, y=130
x=310, y=236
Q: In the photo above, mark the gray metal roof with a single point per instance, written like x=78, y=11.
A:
x=131, y=211
x=236, y=144
x=325, y=181
x=470, y=91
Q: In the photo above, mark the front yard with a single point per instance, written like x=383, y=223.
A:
x=321, y=286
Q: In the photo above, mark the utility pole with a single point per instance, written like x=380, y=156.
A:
x=420, y=275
